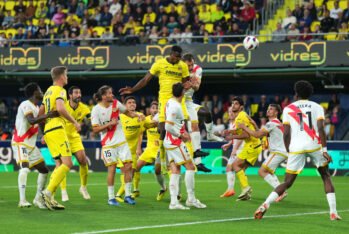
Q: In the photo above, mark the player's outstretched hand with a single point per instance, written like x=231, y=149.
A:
x=225, y=146
x=185, y=137
x=328, y=157
x=125, y=91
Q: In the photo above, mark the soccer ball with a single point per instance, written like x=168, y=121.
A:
x=251, y=43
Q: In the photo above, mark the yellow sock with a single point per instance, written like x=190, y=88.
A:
x=83, y=174
x=136, y=179
x=53, y=175
x=242, y=178
x=57, y=177
x=63, y=184
x=121, y=190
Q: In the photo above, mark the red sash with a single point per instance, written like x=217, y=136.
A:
x=280, y=126
x=114, y=115
x=28, y=134
x=178, y=141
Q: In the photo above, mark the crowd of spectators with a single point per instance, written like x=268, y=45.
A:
x=93, y=22
x=308, y=18
x=256, y=107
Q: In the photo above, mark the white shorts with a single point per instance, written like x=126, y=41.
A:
x=179, y=155
x=273, y=161
x=193, y=111
x=111, y=154
x=23, y=153
x=157, y=160
x=296, y=162
x=231, y=159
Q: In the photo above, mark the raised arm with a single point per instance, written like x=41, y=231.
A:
x=257, y=134
x=141, y=84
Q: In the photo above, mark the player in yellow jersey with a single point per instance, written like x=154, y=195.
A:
x=55, y=135
x=250, y=151
x=80, y=112
x=170, y=71
x=133, y=129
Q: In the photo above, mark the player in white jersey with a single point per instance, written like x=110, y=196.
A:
x=237, y=147
x=24, y=147
x=176, y=151
x=304, y=135
x=105, y=120
x=274, y=130
x=194, y=110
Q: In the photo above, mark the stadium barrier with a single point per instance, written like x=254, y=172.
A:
x=339, y=150
x=210, y=56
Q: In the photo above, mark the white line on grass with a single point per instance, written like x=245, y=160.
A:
x=202, y=222
x=103, y=184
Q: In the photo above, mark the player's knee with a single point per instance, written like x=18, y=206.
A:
x=262, y=172
x=195, y=127
x=157, y=169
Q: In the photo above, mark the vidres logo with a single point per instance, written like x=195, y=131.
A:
x=313, y=53
x=29, y=58
x=98, y=57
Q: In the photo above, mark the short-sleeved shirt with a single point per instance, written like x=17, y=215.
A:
x=197, y=73
x=174, y=117
x=52, y=94
x=132, y=128
x=153, y=134
x=302, y=116
x=81, y=112
x=243, y=118
x=169, y=74
x=275, y=131
x=24, y=131
x=101, y=115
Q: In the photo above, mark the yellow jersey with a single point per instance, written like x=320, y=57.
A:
x=52, y=94
x=153, y=135
x=168, y=74
x=243, y=118
x=81, y=112
x=132, y=129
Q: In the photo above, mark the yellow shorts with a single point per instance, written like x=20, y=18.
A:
x=250, y=153
x=162, y=105
x=76, y=144
x=57, y=143
x=149, y=155
x=120, y=164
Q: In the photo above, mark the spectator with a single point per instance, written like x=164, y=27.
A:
x=248, y=13
x=3, y=40
x=148, y=25
x=8, y=20
x=84, y=37
x=200, y=34
x=42, y=25
x=138, y=16
x=182, y=24
x=218, y=127
x=20, y=8
x=333, y=102
x=106, y=17
x=175, y=36
x=94, y=37
x=184, y=14
x=216, y=102
x=172, y=24
x=65, y=39
x=305, y=35
x=132, y=38
x=107, y=37
x=173, y=12
x=30, y=38
x=312, y=10
x=72, y=6
x=186, y=36
x=327, y=22
x=30, y=11
x=285, y=102
x=318, y=31
x=290, y=19
x=96, y=17
x=297, y=12
x=335, y=10
x=276, y=100
x=225, y=5
x=196, y=25
x=163, y=22
x=343, y=32
x=59, y=16
x=3, y=109
x=80, y=9
x=153, y=37
x=74, y=40
x=75, y=28
x=293, y=33
x=115, y=7
x=150, y=14
x=263, y=106
x=346, y=13
x=51, y=10
x=163, y=36
x=322, y=10
x=205, y=15
x=19, y=36
x=328, y=128
x=20, y=21
x=217, y=15
x=206, y=102
x=279, y=34
x=10, y=40
x=41, y=11
x=143, y=37
x=41, y=37
x=306, y=18
x=218, y=33
x=131, y=24
x=52, y=36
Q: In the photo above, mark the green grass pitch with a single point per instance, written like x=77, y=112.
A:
x=305, y=210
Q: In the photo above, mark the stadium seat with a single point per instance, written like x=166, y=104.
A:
x=254, y=109
x=209, y=27
x=11, y=30
x=179, y=8
x=313, y=25
x=99, y=30
x=9, y=5
x=91, y=11
x=35, y=22
x=213, y=7
x=227, y=16
x=318, y=3
x=331, y=36
x=324, y=105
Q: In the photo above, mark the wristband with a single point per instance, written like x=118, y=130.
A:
x=324, y=149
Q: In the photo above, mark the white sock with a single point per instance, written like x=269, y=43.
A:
x=209, y=127
x=271, y=198
x=196, y=140
x=179, y=184
x=331, y=198
x=40, y=184
x=174, y=188
x=111, y=193
x=128, y=188
x=22, y=182
x=272, y=180
x=231, y=179
x=197, y=161
x=161, y=180
x=190, y=184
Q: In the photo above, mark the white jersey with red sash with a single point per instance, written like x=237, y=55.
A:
x=302, y=116
x=24, y=132
x=174, y=123
x=101, y=116
x=275, y=131
x=195, y=73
